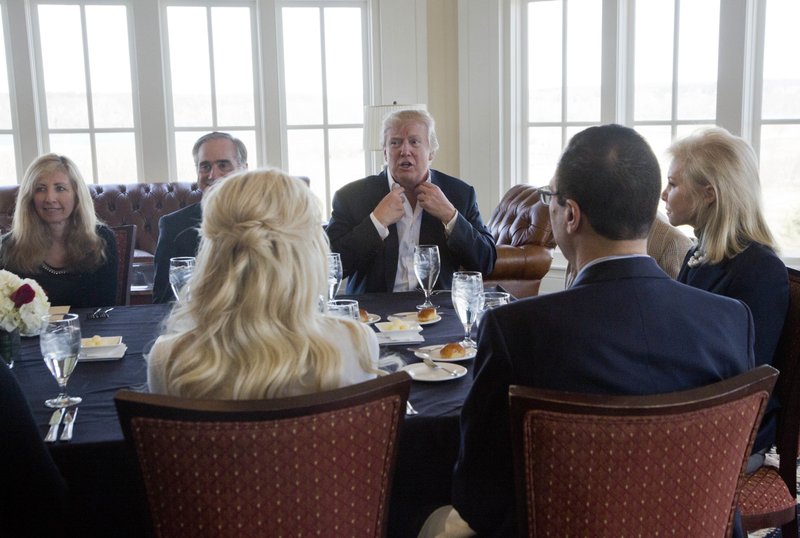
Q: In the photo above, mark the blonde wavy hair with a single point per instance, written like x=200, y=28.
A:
x=252, y=328
x=30, y=238
x=716, y=158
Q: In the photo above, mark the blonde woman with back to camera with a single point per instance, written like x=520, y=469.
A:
x=252, y=327
x=56, y=238
x=713, y=185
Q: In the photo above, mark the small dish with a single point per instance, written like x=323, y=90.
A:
x=99, y=342
x=102, y=353
x=398, y=325
x=433, y=352
x=372, y=318
x=422, y=372
x=412, y=316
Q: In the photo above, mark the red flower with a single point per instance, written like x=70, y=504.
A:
x=23, y=295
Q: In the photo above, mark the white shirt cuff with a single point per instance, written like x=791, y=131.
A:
x=448, y=228
x=382, y=230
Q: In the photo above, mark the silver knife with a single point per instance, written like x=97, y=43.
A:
x=55, y=420
x=69, y=422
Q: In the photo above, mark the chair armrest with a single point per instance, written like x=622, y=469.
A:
x=528, y=262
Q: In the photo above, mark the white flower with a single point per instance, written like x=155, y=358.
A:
x=28, y=317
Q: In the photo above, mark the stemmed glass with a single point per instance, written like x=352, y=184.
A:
x=426, y=267
x=334, y=274
x=60, y=343
x=492, y=299
x=467, y=300
x=180, y=271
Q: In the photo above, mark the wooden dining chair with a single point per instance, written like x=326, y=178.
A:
x=768, y=497
x=126, y=243
x=600, y=465
x=314, y=465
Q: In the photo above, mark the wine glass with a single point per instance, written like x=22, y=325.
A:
x=492, y=299
x=426, y=267
x=180, y=271
x=468, y=300
x=334, y=274
x=60, y=343
x=344, y=308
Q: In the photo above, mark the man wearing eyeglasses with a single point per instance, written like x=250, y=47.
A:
x=216, y=155
x=624, y=327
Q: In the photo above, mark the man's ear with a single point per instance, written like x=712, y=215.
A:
x=572, y=216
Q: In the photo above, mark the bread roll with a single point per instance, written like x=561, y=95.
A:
x=426, y=314
x=452, y=350
x=363, y=315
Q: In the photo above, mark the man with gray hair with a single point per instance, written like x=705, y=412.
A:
x=216, y=155
x=377, y=221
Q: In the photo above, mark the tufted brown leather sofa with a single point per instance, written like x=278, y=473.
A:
x=141, y=204
x=524, y=240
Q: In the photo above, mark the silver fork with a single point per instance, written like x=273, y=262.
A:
x=410, y=409
x=69, y=422
x=427, y=360
x=55, y=422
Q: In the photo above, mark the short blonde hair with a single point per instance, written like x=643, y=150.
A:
x=400, y=117
x=252, y=328
x=30, y=235
x=716, y=158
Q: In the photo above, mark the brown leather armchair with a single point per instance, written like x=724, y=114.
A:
x=524, y=241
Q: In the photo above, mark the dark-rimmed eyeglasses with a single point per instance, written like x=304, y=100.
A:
x=545, y=194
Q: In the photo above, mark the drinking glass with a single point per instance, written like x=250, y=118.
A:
x=492, y=299
x=60, y=343
x=426, y=267
x=180, y=271
x=344, y=308
x=334, y=274
x=468, y=300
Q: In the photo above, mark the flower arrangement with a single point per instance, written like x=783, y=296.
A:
x=22, y=304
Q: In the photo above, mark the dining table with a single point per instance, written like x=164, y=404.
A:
x=105, y=490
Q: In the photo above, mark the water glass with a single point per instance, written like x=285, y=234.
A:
x=492, y=299
x=60, y=343
x=426, y=267
x=344, y=308
x=334, y=274
x=180, y=272
x=468, y=300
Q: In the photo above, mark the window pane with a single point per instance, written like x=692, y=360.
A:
x=346, y=156
x=307, y=158
x=190, y=71
x=781, y=93
x=184, y=142
x=62, y=63
x=659, y=137
x=233, y=65
x=8, y=166
x=780, y=183
x=109, y=63
x=116, y=158
x=544, y=61
x=653, y=62
x=5, y=94
x=302, y=66
x=77, y=147
x=343, y=67
x=543, y=152
x=584, y=44
x=697, y=59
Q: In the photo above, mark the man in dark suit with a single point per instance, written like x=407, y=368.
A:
x=216, y=155
x=376, y=221
x=624, y=327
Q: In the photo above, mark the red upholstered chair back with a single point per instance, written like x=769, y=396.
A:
x=598, y=465
x=316, y=465
x=769, y=496
x=126, y=242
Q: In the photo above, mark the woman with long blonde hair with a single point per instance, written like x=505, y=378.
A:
x=251, y=328
x=713, y=185
x=56, y=238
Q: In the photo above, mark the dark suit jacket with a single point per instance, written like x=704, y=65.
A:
x=758, y=277
x=371, y=263
x=624, y=327
x=177, y=236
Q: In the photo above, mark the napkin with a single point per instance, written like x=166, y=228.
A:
x=58, y=311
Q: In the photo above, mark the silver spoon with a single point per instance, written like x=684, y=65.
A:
x=428, y=361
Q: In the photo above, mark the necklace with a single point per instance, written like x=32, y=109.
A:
x=697, y=258
x=52, y=271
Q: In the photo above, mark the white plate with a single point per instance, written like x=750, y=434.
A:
x=397, y=338
x=101, y=345
x=433, y=352
x=412, y=316
x=372, y=318
x=422, y=372
x=102, y=353
x=386, y=327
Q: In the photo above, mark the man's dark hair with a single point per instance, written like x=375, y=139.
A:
x=613, y=175
x=241, y=150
